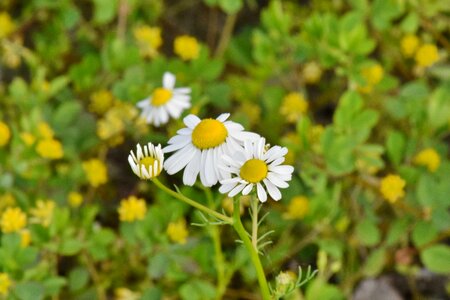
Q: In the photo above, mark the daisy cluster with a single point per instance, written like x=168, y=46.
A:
x=214, y=150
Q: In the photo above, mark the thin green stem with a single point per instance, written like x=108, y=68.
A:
x=254, y=205
x=191, y=202
x=237, y=224
x=226, y=34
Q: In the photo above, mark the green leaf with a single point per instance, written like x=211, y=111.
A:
x=375, y=262
x=423, y=233
x=339, y=155
x=318, y=289
x=66, y=114
x=197, y=290
x=158, y=265
x=395, y=146
x=105, y=10
x=219, y=94
x=29, y=291
x=70, y=247
x=439, y=107
x=54, y=285
x=78, y=279
x=397, y=231
x=231, y=6
x=368, y=233
x=437, y=258
x=349, y=105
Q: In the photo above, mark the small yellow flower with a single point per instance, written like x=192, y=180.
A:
x=392, y=188
x=6, y=200
x=5, y=283
x=373, y=74
x=298, y=208
x=45, y=131
x=101, y=101
x=75, y=199
x=27, y=138
x=186, y=47
x=177, y=231
x=25, y=238
x=50, y=148
x=409, y=45
x=7, y=25
x=293, y=107
x=125, y=294
x=13, y=219
x=132, y=209
x=149, y=40
x=312, y=72
x=426, y=55
x=110, y=126
x=96, y=172
x=5, y=134
x=428, y=158
x=43, y=212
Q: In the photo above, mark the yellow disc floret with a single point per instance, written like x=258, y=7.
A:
x=209, y=133
x=254, y=170
x=132, y=209
x=392, y=188
x=427, y=55
x=161, y=96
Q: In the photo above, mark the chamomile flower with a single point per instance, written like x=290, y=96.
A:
x=147, y=163
x=252, y=167
x=166, y=101
x=200, y=146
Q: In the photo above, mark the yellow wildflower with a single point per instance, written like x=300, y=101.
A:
x=177, y=231
x=298, y=208
x=293, y=107
x=132, y=209
x=75, y=199
x=96, y=172
x=149, y=40
x=409, y=44
x=101, y=101
x=5, y=134
x=428, y=158
x=27, y=138
x=43, y=212
x=125, y=294
x=186, y=47
x=50, y=148
x=312, y=72
x=25, y=238
x=5, y=283
x=392, y=188
x=426, y=55
x=13, y=219
x=6, y=200
x=110, y=126
x=6, y=25
x=45, y=131
x=373, y=74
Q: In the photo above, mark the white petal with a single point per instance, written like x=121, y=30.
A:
x=276, y=180
x=192, y=169
x=179, y=159
x=210, y=174
x=247, y=189
x=236, y=190
x=277, y=161
x=191, y=121
x=274, y=192
x=222, y=118
x=143, y=103
x=168, y=80
x=262, y=196
x=284, y=169
x=224, y=189
x=182, y=90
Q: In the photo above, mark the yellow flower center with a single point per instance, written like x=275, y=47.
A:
x=209, y=133
x=254, y=170
x=147, y=162
x=161, y=96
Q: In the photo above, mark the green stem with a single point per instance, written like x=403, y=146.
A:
x=237, y=224
x=254, y=205
x=226, y=34
x=191, y=202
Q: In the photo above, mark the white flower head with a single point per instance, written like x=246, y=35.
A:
x=252, y=167
x=148, y=161
x=199, y=148
x=166, y=101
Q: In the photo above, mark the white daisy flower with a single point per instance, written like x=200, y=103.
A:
x=166, y=101
x=200, y=146
x=253, y=166
x=148, y=163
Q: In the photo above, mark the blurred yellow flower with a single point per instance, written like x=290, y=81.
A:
x=297, y=208
x=392, y=188
x=43, y=212
x=294, y=106
x=6, y=200
x=25, y=238
x=252, y=111
x=426, y=55
x=28, y=138
x=10, y=55
x=6, y=25
x=5, y=283
x=45, y=131
x=312, y=72
x=132, y=209
x=101, y=101
x=428, y=158
x=149, y=40
x=125, y=294
x=13, y=219
x=109, y=126
x=5, y=134
x=50, y=148
x=373, y=74
x=75, y=199
x=409, y=44
x=177, y=231
x=186, y=47
x=96, y=172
